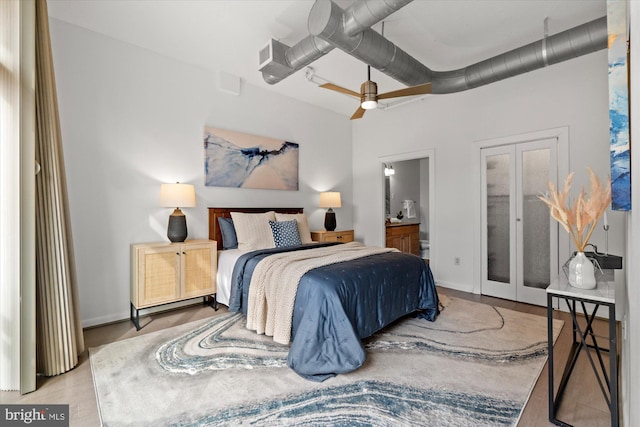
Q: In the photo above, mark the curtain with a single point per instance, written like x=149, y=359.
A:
x=59, y=329
x=17, y=196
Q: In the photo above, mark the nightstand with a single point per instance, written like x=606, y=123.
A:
x=163, y=273
x=344, y=236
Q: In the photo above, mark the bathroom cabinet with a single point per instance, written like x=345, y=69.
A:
x=405, y=237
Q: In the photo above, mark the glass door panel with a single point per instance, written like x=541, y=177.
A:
x=498, y=218
x=537, y=233
x=535, y=219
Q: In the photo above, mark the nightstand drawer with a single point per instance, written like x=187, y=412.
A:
x=344, y=236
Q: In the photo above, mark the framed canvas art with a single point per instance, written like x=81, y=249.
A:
x=234, y=159
x=620, y=148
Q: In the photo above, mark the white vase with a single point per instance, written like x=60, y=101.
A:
x=581, y=272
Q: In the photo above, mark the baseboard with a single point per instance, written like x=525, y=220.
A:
x=122, y=316
x=455, y=286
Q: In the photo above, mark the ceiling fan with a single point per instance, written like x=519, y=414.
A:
x=369, y=93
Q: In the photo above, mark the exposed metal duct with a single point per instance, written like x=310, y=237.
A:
x=349, y=30
x=278, y=61
x=326, y=21
x=364, y=13
x=577, y=41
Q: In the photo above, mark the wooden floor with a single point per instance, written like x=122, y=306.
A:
x=583, y=404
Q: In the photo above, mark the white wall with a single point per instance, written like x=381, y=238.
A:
x=630, y=386
x=572, y=94
x=132, y=119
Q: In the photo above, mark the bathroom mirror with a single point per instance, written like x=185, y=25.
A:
x=406, y=191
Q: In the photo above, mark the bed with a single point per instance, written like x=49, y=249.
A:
x=333, y=295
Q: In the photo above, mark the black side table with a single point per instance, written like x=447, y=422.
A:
x=602, y=295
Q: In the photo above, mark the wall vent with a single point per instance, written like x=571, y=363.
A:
x=273, y=60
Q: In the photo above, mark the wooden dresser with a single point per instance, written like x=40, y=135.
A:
x=405, y=237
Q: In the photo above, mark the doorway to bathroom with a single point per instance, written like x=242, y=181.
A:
x=408, y=203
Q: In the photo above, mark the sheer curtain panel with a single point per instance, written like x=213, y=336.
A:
x=17, y=200
x=9, y=194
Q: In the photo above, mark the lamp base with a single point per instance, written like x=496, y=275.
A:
x=330, y=220
x=177, y=230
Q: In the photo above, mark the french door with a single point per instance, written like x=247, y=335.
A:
x=519, y=238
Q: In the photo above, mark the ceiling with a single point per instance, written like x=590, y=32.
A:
x=226, y=35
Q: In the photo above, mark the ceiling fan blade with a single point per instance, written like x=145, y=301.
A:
x=358, y=114
x=422, y=89
x=340, y=89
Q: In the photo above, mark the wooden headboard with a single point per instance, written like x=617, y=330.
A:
x=215, y=213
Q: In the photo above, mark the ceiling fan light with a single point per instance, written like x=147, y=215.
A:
x=369, y=104
x=369, y=95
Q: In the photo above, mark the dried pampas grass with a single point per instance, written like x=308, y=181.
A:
x=580, y=219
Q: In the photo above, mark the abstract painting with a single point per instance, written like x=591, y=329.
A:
x=620, y=150
x=234, y=159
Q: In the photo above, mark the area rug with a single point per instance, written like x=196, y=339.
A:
x=475, y=365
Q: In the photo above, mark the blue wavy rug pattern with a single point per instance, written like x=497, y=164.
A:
x=474, y=366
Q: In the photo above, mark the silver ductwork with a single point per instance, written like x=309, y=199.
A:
x=577, y=41
x=326, y=21
x=362, y=14
x=349, y=30
x=278, y=61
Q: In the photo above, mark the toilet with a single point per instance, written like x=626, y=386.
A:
x=424, y=249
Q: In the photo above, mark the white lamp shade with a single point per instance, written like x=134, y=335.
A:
x=177, y=195
x=330, y=199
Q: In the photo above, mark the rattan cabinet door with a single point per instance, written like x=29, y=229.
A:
x=198, y=270
x=159, y=275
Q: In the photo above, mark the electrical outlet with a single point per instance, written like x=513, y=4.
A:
x=456, y=260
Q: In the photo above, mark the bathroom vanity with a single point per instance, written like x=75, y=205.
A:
x=404, y=236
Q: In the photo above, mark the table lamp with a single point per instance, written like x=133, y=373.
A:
x=177, y=195
x=330, y=199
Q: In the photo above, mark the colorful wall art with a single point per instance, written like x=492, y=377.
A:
x=234, y=159
x=620, y=150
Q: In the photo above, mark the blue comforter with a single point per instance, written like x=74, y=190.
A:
x=338, y=305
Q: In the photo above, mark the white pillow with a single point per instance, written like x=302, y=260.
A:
x=303, y=225
x=253, y=230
